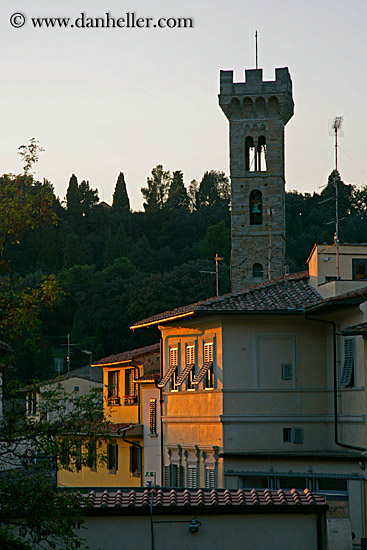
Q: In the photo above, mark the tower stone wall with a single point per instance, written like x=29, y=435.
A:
x=257, y=111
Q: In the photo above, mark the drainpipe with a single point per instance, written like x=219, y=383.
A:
x=336, y=436
x=141, y=456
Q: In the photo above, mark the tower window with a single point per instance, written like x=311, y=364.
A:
x=261, y=154
x=256, y=207
x=257, y=273
x=250, y=154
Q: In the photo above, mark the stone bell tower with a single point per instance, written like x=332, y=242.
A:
x=257, y=111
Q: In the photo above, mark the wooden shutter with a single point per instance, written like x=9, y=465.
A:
x=153, y=416
x=297, y=435
x=173, y=357
x=166, y=476
x=191, y=477
x=347, y=376
x=190, y=355
x=208, y=353
x=209, y=478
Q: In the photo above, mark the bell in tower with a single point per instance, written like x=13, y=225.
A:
x=257, y=111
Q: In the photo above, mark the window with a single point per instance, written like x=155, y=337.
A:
x=209, y=478
x=173, y=362
x=135, y=459
x=92, y=455
x=250, y=156
x=359, y=267
x=261, y=154
x=208, y=360
x=173, y=475
x=112, y=457
x=256, y=207
x=287, y=372
x=255, y=482
x=347, y=376
x=287, y=435
x=191, y=477
x=131, y=389
x=113, y=388
x=153, y=416
x=257, y=273
x=297, y=435
x=32, y=403
x=299, y=483
x=78, y=456
x=76, y=389
x=190, y=363
x=330, y=485
x=65, y=455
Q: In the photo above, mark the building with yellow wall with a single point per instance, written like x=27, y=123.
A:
x=131, y=404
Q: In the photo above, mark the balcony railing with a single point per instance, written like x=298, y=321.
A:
x=130, y=399
x=113, y=400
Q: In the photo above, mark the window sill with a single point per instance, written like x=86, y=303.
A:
x=153, y=435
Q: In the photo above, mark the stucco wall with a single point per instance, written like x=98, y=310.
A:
x=217, y=532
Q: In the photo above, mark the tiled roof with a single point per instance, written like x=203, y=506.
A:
x=128, y=500
x=360, y=329
x=286, y=294
x=127, y=355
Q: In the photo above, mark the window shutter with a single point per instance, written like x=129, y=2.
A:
x=173, y=357
x=346, y=378
x=190, y=355
x=166, y=476
x=116, y=457
x=209, y=478
x=135, y=377
x=208, y=353
x=297, y=435
x=132, y=459
x=191, y=477
x=153, y=416
x=287, y=372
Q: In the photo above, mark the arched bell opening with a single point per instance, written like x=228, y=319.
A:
x=256, y=207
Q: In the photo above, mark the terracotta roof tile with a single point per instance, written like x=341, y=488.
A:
x=286, y=294
x=235, y=499
x=127, y=355
x=360, y=329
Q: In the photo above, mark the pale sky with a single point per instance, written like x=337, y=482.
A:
x=101, y=101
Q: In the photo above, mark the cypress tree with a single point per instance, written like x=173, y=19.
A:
x=73, y=197
x=121, y=201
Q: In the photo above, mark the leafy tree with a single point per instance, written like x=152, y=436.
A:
x=30, y=155
x=217, y=240
x=177, y=195
x=121, y=201
x=25, y=204
x=155, y=194
x=30, y=451
x=73, y=252
x=214, y=188
x=80, y=199
x=88, y=197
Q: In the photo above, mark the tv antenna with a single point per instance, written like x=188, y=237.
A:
x=256, y=60
x=336, y=130
x=217, y=259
